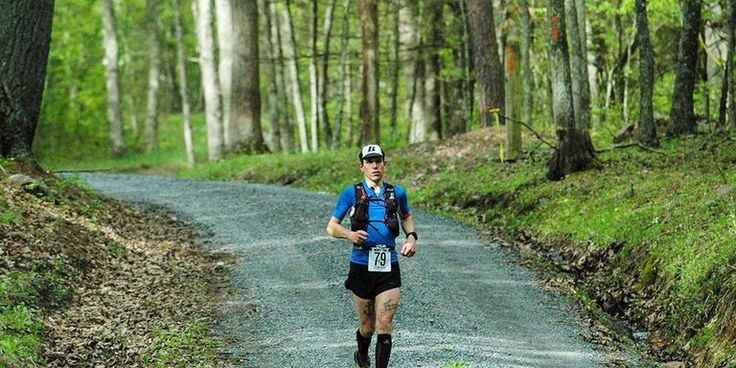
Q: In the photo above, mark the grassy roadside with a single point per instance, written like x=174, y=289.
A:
x=649, y=237
x=89, y=281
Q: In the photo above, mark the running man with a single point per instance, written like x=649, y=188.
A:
x=375, y=209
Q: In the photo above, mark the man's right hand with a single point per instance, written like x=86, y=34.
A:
x=358, y=237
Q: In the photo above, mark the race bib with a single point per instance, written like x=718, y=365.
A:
x=379, y=259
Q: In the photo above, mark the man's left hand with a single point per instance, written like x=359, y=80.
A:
x=409, y=248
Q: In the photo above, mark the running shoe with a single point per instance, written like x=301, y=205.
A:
x=361, y=363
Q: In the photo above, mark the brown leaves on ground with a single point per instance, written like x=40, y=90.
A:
x=128, y=270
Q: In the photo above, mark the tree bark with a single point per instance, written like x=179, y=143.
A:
x=395, y=67
x=432, y=130
x=273, y=108
x=579, y=67
x=370, y=129
x=114, y=113
x=182, y=69
x=489, y=73
x=682, y=118
x=575, y=150
x=245, y=108
x=413, y=70
x=224, y=13
x=514, y=100
x=343, y=90
x=526, y=66
x=25, y=34
x=647, y=133
x=287, y=128
x=324, y=76
x=296, y=88
x=210, y=83
x=314, y=80
x=150, y=130
x=468, y=85
x=730, y=63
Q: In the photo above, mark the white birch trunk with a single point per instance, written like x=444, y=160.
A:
x=409, y=40
x=287, y=128
x=210, y=84
x=182, y=69
x=324, y=77
x=343, y=89
x=314, y=81
x=113, y=79
x=274, y=132
x=150, y=131
x=296, y=89
x=224, y=12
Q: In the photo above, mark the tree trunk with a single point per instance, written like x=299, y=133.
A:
x=350, y=133
x=287, y=128
x=489, y=74
x=526, y=66
x=224, y=13
x=154, y=76
x=25, y=34
x=114, y=114
x=575, y=150
x=468, y=85
x=296, y=88
x=730, y=63
x=343, y=90
x=370, y=130
x=245, y=107
x=273, y=108
x=314, y=80
x=514, y=101
x=395, y=67
x=182, y=68
x=413, y=70
x=324, y=76
x=210, y=83
x=579, y=67
x=682, y=118
x=433, y=100
x=647, y=133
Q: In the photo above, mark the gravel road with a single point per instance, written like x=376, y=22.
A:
x=462, y=301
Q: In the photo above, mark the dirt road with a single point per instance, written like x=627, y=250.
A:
x=462, y=301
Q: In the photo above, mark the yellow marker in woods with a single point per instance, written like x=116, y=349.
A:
x=496, y=112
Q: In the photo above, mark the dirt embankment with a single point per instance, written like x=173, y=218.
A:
x=112, y=283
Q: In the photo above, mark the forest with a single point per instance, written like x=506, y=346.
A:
x=634, y=94
x=438, y=69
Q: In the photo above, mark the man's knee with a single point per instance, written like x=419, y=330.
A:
x=384, y=324
x=367, y=327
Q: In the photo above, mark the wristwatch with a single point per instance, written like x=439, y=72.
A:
x=412, y=233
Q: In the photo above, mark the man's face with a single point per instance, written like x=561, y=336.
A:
x=373, y=168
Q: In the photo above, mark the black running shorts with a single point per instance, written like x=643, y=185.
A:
x=367, y=285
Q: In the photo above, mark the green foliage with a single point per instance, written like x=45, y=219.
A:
x=177, y=346
x=10, y=218
x=458, y=365
x=20, y=327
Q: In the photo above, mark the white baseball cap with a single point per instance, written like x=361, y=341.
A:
x=370, y=150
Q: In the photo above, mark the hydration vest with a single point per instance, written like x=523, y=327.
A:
x=359, y=219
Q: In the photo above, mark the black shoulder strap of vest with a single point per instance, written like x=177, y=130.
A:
x=360, y=192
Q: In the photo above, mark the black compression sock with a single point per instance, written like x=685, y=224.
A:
x=383, y=350
x=363, y=344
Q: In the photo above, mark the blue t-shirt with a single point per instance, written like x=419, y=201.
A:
x=378, y=232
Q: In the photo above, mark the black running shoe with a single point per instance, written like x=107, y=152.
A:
x=361, y=363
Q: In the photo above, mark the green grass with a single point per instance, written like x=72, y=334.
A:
x=21, y=330
x=668, y=220
x=177, y=346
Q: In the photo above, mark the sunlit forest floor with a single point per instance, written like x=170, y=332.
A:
x=647, y=237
